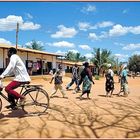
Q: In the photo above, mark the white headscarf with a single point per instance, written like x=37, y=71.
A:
x=108, y=65
x=124, y=66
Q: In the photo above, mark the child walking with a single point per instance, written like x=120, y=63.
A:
x=57, y=77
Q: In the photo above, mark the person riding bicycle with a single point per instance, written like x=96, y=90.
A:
x=16, y=67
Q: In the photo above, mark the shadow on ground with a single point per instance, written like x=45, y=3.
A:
x=92, y=120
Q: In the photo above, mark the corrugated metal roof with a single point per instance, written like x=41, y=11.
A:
x=72, y=63
x=6, y=46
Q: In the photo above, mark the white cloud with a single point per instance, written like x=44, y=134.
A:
x=4, y=41
x=105, y=24
x=63, y=44
x=93, y=36
x=103, y=35
x=118, y=30
x=121, y=57
x=89, y=8
x=134, y=30
x=131, y=46
x=64, y=32
x=88, y=55
x=84, y=26
x=10, y=22
x=29, y=26
x=85, y=47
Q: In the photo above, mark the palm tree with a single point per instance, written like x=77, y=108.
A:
x=70, y=56
x=35, y=46
x=101, y=58
x=74, y=57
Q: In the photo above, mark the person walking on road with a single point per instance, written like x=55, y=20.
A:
x=57, y=77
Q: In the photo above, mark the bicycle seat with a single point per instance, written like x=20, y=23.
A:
x=25, y=83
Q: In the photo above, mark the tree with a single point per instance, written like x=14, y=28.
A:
x=134, y=63
x=101, y=58
x=35, y=46
x=74, y=57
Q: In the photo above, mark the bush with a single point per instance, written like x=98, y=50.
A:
x=97, y=77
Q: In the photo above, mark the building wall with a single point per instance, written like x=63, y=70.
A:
x=23, y=56
x=34, y=57
x=1, y=58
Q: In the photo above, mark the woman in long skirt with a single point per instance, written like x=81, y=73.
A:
x=86, y=78
x=109, y=86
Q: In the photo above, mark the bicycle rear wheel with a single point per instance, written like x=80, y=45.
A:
x=37, y=101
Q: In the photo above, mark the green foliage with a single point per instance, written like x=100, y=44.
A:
x=74, y=57
x=134, y=63
x=101, y=58
x=35, y=46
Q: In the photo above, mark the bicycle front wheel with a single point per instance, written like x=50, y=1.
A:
x=37, y=101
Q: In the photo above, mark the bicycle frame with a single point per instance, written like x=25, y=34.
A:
x=29, y=91
x=21, y=91
x=25, y=87
x=1, y=88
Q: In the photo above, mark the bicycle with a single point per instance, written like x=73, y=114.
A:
x=37, y=99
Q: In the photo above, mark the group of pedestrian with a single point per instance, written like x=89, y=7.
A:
x=109, y=85
x=85, y=77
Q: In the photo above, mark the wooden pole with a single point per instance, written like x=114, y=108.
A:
x=17, y=30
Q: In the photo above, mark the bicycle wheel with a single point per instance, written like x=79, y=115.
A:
x=37, y=101
x=0, y=104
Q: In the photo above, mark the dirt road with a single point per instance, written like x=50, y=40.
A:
x=100, y=117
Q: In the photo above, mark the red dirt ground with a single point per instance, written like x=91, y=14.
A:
x=100, y=117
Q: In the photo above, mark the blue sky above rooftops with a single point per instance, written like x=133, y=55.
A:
x=74, y=26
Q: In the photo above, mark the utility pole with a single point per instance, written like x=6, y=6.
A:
x=17, y=30
x=117, y=67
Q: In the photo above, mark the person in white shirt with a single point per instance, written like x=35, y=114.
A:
x=16, y=67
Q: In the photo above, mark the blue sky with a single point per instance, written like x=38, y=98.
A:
x=74, y=26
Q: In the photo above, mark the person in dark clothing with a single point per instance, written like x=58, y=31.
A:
x=74, y=78
x=86, y=78
x=109, y=85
